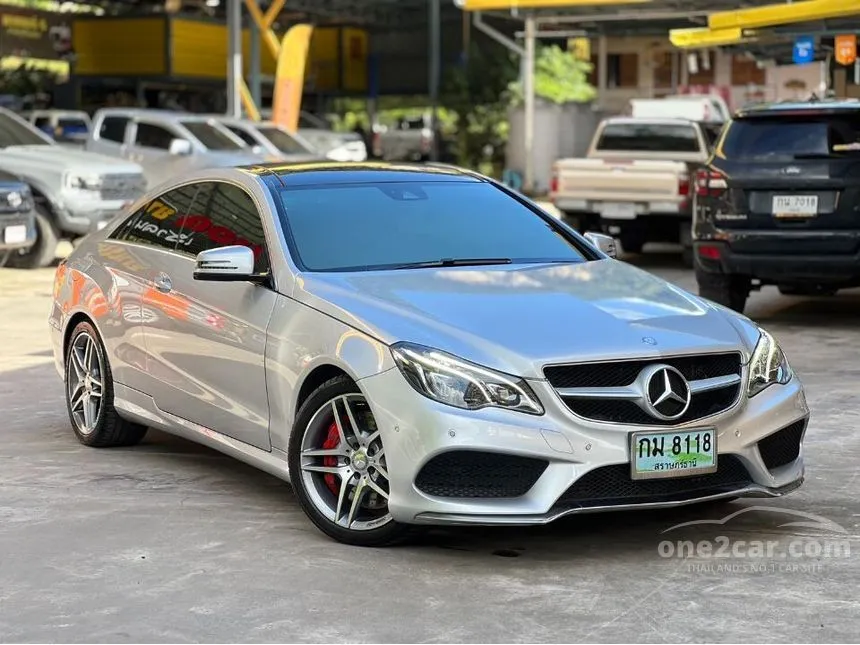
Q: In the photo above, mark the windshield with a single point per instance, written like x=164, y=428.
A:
x=282, y=140
x=369, y=226
x=210, y=136
x=16, y=133
x=73, y=123
x=783, y=139
x=656, y=137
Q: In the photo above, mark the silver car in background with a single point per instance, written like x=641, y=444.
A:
x=271, y=139
x=167, y=143
x=416, y=345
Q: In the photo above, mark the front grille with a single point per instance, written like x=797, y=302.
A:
x=621, y=373
x=121, y=187
x=782, y=447
x=474, y=474
x=615, y=374
x=612, y=486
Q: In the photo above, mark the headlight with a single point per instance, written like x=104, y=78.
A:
x=768, y=365
x=453, y=381
x=84, y=182
x=14, y=198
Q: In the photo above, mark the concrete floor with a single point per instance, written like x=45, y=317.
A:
x=172, y=542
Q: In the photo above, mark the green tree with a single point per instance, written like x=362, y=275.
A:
x=559, y=78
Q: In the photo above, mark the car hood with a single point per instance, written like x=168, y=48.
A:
x=67, y=158
x=520, y=318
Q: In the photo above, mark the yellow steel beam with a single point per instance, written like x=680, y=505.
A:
x=783, y=14
x=264, y=23
x=702, y=37
x=248, y=101
x=504, y=5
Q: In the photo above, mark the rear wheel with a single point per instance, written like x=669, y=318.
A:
x=44, y=250
x=731, y=291
x=338, y=467
x=89, y=394
x=631, y=241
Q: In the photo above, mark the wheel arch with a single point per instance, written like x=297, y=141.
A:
x=74, y=320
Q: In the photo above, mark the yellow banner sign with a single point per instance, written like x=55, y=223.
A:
x=290, y=77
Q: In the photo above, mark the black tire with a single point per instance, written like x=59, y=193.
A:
x=687, y=257
x=686, y=236
x=109, y=429
x=728, y=290
x=386, y=535
x=631, y=242
x=44, y=250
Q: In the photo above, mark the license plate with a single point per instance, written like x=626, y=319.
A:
x=655, y=455
x=15, y=234
x=788, y=206
x=611, y=210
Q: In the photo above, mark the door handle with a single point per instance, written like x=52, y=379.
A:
x=163, y=283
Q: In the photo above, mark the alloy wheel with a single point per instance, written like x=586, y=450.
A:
x=85, y=383
x=343, y=466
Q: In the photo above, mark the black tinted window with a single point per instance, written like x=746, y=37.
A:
x=159, y=223
x=210, y=136
x=383, y=225
x=113, y=128
x=153, y=136
x=244, y=136
x=42, y=123
x=656, y=137
x=223, y=215
x=283, y=140
x=792, y=138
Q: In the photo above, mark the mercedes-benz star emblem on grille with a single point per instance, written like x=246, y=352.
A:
x=667, y=393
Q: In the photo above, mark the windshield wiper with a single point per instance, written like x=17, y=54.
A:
x=453, y=262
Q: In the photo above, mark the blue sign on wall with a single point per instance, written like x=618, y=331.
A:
x=804, y=50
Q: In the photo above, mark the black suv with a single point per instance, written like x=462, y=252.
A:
x=779, y=203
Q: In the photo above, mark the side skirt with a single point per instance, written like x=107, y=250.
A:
x=141, y=408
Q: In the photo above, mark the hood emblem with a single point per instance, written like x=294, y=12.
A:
x=667, y=393
x=791, y=170
x=649, y=341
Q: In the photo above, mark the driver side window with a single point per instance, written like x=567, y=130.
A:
x=153, y=136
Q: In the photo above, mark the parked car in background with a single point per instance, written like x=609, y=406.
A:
x=408, y=139
x=271, y=139
x=325, y=140
x=75, y=192
x=635, y=180
x=64, y=126
x=779, y=203
x=167, y=143
x=696, y=107
x=17, y=217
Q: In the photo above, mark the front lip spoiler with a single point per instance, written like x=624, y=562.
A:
x=462, y=519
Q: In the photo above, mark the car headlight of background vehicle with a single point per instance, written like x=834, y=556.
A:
x=453, y=381
x=83, y=182
x=768, y=365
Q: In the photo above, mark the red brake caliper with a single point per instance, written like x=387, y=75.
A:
x=331, y=441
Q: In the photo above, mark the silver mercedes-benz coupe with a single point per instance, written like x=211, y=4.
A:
x=416, y=345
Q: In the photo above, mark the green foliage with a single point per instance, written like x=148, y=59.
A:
x=559, y=78
x=25, y=81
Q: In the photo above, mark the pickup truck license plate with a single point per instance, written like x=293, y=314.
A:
x=656, y=455
x=613, y=210
x=789, y=206
x=15, y=234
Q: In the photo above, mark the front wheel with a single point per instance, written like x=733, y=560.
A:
x=44, y=249
x=338, y=467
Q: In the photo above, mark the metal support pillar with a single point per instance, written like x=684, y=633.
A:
x=529, y=91
x=435, y=72
x=234, y=58
x=256, y=82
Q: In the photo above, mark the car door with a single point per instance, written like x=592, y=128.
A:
x=149, y=146
x=108, y=136
x=207, y=355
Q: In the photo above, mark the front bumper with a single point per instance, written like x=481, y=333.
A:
x=84, y=216
x=416, y=430
x=11, y=223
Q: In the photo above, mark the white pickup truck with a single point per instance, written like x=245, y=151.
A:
x=636, y=180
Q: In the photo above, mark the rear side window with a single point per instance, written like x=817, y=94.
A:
x=652, y=137
x=244, y=136
x=784, y=138
x=113, y=128
x=158, y=223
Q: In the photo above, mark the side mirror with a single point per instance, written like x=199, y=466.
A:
x=604, y=243
x=257, y=149
x=226, y=264
x=180, y=147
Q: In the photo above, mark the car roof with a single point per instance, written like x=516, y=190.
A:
x=323, y=173
x=650, y=120
x=152, y=113
x=806, y=107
